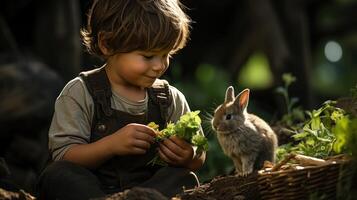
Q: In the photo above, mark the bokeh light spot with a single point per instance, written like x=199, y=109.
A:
x=256, y=72
x=333, y=51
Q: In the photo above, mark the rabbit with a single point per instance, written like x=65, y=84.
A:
x=247, y=139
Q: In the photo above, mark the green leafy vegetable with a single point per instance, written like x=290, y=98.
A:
x=187, y=128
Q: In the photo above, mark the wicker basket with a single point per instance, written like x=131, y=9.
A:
x=322, y=181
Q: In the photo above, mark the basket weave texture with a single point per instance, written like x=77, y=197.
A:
x=302, y=183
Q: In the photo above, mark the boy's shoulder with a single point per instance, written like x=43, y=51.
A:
x=73, y=87
x=91, y=71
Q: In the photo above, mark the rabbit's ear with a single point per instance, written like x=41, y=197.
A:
x=242, y=99
x=229, y=94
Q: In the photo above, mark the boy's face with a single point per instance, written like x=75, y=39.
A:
x=139, y=68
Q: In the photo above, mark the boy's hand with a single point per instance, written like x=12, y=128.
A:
x=131, y=139
x=176, y=151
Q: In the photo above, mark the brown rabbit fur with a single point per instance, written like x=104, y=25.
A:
x=247, y=139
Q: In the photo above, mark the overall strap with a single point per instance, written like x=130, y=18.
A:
x=99, y=87
x=160, y=94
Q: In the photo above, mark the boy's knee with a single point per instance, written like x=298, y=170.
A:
x=61, y=177
x=63, y=171
x=171, y=180
x=58, y=170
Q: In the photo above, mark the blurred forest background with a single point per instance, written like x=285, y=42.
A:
x=244, y=43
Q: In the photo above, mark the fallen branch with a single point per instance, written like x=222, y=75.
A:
x=302, y=160
x=308, y=160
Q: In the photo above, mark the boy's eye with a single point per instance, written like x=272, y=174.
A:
x=148, y=57
x=165, y=56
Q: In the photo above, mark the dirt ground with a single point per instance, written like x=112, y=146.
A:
x=220, y=188
x=225, y=187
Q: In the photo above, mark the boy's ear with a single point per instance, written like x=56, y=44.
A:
x=102, y=43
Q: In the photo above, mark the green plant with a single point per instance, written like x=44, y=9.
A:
x=328, y=131
x=187, y=128
x=293, y=113
x=346, y=128
x=346, y=135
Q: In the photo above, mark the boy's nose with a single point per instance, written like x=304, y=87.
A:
x=159, y=65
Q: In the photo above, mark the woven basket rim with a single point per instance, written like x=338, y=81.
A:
x=339, y=159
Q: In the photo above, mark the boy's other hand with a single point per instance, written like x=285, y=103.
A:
x=176, y=151
x=131, y=139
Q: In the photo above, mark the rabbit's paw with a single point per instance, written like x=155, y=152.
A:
x=246, y=173
x=239, y=173
x=247, y=170
x=243, y=174
x=247, y=165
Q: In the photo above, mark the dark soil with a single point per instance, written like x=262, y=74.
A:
x=136, y=193
x=220, y=188
x=225, y=187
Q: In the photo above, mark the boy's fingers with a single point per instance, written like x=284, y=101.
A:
x=164, y=157
x=142, y=144
x=137, y=150
x=180, y=142
x=179, y=146
x=145, y=129
x=169, y=143
x=169, y=153
x=151, y=131
x=145, y=137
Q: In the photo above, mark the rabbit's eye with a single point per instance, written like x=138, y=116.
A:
x=228, y=116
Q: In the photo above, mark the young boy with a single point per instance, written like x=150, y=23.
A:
x=98, y=138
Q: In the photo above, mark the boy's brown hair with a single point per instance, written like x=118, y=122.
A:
x=128, y=25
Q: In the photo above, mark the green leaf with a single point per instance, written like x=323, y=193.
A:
x=315, y=123
x=293, y=101
x=280, y=90
x=341, y=132
x=154, y=126
x=336, y=115
x=300, y=136
x=323, y=139
x=200, y=141
x=310, y=142
x=288, y=78
x=311, y=132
